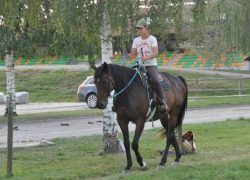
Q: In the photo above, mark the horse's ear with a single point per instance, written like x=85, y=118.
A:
x=105, y=67
x=92, y=65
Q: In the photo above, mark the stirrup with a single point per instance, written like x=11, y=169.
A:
x=163, y=107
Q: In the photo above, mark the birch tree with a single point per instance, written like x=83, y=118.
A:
x=17, y=19
x=221, y=25
x=106, y=38
x=110, y=125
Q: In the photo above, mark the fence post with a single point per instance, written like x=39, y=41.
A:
x=197, y=86
x=240, y=86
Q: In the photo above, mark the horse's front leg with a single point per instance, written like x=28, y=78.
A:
x=135, y=146
x=125, y=134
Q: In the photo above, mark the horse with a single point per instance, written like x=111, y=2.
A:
x=131, y=105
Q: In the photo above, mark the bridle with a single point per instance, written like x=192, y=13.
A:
x=131, y=80
x=111, y=85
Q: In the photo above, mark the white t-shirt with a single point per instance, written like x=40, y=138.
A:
x=144, y=48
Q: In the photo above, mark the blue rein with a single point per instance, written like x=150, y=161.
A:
x=131, y=80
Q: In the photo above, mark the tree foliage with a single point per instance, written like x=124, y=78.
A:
x=72, y=27
x=222, y=25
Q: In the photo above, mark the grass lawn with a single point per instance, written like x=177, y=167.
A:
x=203, y=101
x=47, y=86
x=222, y=153
x=62, y=85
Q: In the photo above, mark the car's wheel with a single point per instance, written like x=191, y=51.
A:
x=91, y=100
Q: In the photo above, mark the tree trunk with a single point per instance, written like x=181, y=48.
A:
x=111, y=143
x=106, y=39
x=10, y=79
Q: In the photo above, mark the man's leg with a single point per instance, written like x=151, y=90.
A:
x=153, y=74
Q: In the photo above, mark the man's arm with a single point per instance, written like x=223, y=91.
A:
x=132, y=54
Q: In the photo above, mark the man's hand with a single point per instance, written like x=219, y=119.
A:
x=129, y=56
x=144, y=58
x=132, y=54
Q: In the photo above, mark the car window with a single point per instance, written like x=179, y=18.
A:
x=89, y=80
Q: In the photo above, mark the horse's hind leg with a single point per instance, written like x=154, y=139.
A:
x=177, y=149
x=170, y=137
x=135, y=146
x=179, y=138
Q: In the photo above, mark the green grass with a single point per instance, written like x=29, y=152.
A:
x=55, y=115
x=47, y=86
x=61, y=85
x=222, y=153
x=218, y=101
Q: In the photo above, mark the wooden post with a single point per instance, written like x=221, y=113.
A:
x=240, y=86
x=197, y=86
x=10, y=135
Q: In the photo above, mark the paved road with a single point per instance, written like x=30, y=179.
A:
x=45, y=107
x=32, y=133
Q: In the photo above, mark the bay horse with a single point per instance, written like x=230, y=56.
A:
x=131, y=105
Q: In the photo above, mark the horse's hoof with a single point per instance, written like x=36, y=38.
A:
x=144, y=167
x=160, y=167
x=176, y=163
x=125, y=171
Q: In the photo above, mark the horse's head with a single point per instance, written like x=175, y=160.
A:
x=103, y=82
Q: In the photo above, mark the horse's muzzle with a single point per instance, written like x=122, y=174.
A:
x=101, y=105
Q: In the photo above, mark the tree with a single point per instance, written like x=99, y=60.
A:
x=106, y=38
x=15, y=23
x=233, y=17
x=199, y=20
x=110, y=126
x=221, y=25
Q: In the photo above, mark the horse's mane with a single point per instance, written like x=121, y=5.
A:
x=121, y=72
x=117, y=69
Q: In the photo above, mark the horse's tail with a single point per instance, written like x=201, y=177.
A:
x=184, y=105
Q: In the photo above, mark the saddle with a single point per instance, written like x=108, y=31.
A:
x=147, y=84
x=151, y=92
